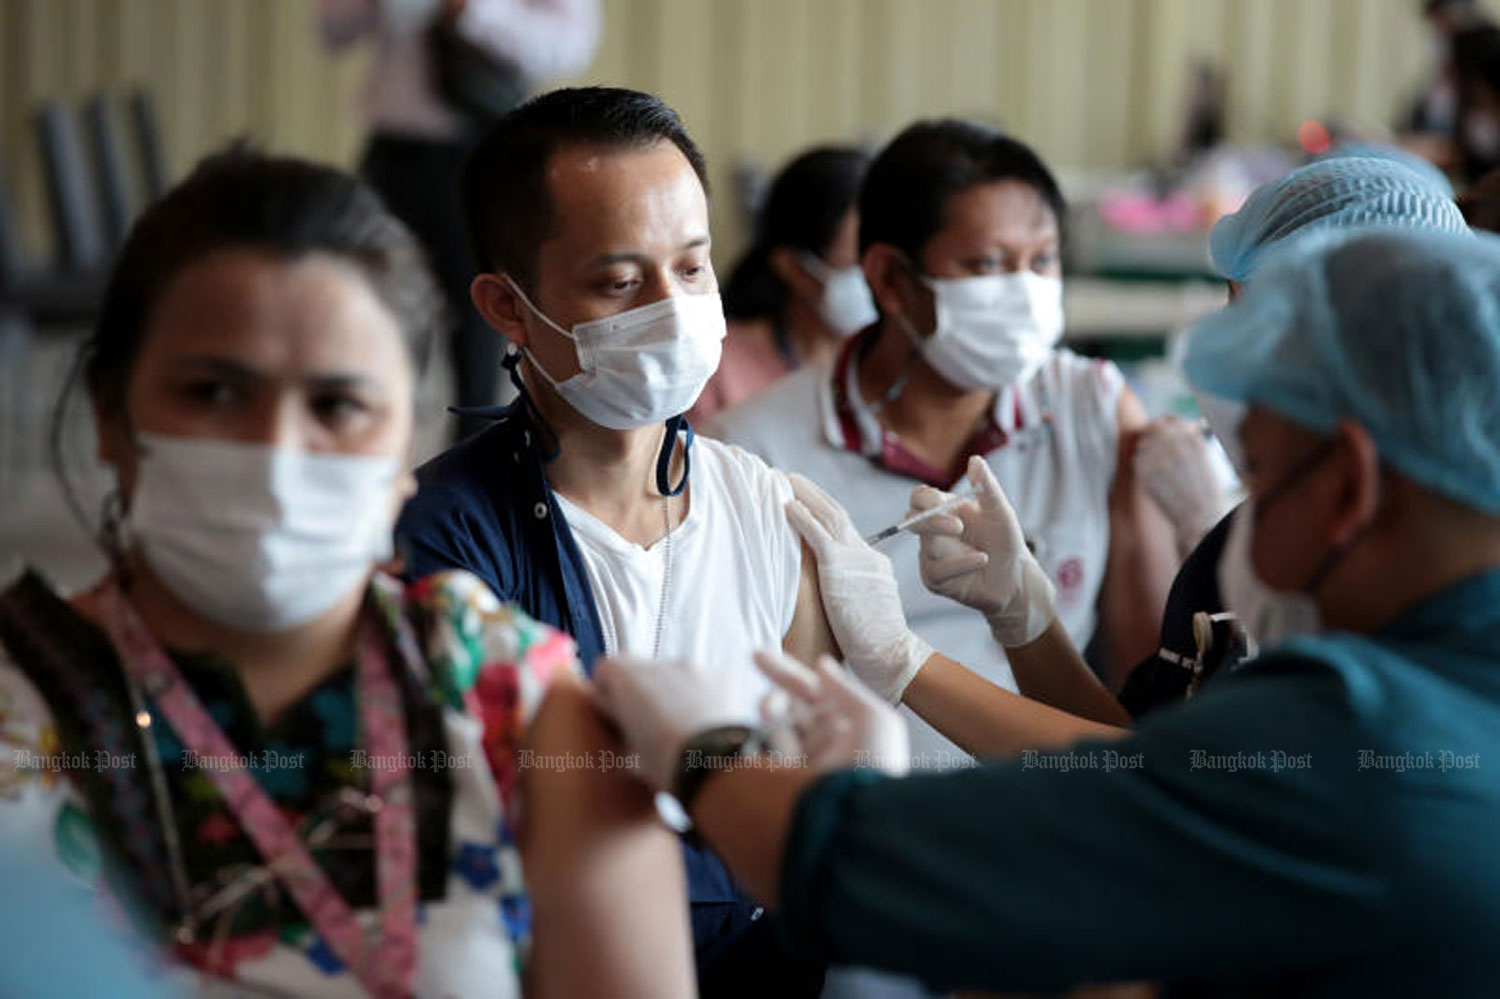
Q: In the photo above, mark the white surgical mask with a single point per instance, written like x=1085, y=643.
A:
x=256, y=537
x=995, y=329
x=1268, y=616
x=642, y=366
x=846, y=304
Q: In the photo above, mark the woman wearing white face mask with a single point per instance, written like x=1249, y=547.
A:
x=961, y=232
x=798, y=292
x=299, y=773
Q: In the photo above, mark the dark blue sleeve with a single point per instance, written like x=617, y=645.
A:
x=441, y=529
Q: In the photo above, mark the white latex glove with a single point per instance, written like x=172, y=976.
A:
x=828, y=716
x=976, y=554
x=660, y=704
x=1174, y=462
x=860, y=595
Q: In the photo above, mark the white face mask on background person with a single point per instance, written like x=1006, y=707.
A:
x=256, y=537
x=641, y=366
x=993, y=330
x=845, y=304
x=1482, y=133
x=1268, y=616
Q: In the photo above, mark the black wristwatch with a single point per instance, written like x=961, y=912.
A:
x=709, y=752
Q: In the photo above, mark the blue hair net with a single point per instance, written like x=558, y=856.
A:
x=1336, y=192
x=1395, y=154
x=1398, y=330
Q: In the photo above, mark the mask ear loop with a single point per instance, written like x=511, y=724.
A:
x=913, y=350
x=114, y=530
x=1336, y=555
x=512, y=364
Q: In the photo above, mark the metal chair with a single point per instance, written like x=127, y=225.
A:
x=111, y=174
x=150, y=152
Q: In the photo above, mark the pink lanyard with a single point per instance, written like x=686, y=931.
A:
x=387, y=968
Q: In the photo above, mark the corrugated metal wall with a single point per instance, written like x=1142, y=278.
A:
x=1092, y=83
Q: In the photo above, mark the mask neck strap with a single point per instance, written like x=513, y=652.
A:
x=1299, y=471
x=512, y=364
x=675, y=425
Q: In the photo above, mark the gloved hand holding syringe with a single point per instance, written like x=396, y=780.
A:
x=917, y=518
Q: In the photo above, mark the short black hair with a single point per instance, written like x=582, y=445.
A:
x=803, y=210
x=507, y=206
x=904, y=200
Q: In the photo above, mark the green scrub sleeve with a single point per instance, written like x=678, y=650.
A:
x=1223, y=832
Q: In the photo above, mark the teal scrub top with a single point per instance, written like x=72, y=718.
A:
x=1325, y=821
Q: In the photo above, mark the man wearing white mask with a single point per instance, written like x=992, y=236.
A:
x=589, y=213
x=960, y=231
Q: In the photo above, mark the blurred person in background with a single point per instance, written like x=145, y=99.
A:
x=297, y=773
x=1435, y=112
x=1476, y=134
x=1481, y=203
x=441, y=70
x=798, y=292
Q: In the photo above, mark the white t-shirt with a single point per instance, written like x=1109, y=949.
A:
x=735, y=568
x=1056, y=466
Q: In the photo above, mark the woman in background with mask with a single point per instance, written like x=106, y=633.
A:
x=798, y=292
x=293, y=771
x=961, y=233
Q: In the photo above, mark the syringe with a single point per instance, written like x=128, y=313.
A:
x=917, y=518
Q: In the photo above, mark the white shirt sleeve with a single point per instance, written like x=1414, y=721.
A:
x=761, y=494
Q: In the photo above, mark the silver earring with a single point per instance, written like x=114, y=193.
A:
x=112, y=526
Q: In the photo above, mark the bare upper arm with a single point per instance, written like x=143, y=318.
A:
x=809, y=634
x=589, y=838
x=1142, y=552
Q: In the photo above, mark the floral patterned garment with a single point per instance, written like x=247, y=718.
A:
x=488, y=666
